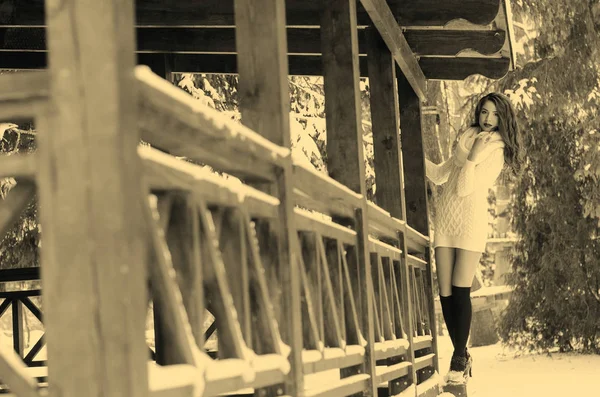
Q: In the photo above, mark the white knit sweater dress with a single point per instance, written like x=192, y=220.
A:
x=461, y=214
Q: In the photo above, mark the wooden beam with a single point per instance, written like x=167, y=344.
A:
x=94, y=255
x=459, y=68
x=345, y=161
x=451, y=42
x=301, y=41
x=390, y=31
x=24, y=86
x=299, y=12
x=385, y=119
x=264, y=104
x=413, y=156
x=434, y=68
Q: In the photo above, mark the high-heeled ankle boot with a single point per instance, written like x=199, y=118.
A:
x=469, y=366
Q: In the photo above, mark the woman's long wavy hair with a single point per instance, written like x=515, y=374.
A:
x=507, y=127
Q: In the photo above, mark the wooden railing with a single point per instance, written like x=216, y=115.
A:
x=302, y=274
x=213, y=247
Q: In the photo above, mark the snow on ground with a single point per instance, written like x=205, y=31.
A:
x=498, y=373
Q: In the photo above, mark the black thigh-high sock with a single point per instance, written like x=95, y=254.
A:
x=462, y=312
x=446, y=302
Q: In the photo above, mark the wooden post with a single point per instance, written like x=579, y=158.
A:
x=339, y=45
x=415, y=185
x=413, y=155
x=264, y=103
x=94, y=252
x=17, y=326
x=389, y=171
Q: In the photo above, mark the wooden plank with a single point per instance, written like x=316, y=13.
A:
x=20, y=274
x=11, y=208
x=459, y=68
x=307, y=221
x=344, y=387
x=182, y=63
x=399, y=328
x=339, y=199
x=14, y=374
x=24, y=86
x=18, y=166
x=345, y=160
x=183, y=239
x=382, y=225
x=335, y=272
x=234, y=249
x=354, y=335
x=432, y=318
x=376, y=301
x=311, y=303
x=331, y=314
x=217, y=291
x=301, y=41
x=418, y=262
x=395, y=371
x=453, y=41
x=165, y=172
x=392, y=35
x=173, y=340
x=416, y=241
x=390, y=348
x=200, y=132
x=342, y=95
x=385, y=119
x=310, y=264
x=422, y=342
x=264, y=105
x=172, y=381
x=384, y=249
x=413, y=156
x=299, y=12
x=17, y=327
x=387, y=314
x=262, y=302
x=95, y=295
x=403, y=301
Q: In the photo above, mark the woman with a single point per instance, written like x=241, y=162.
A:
x=481, y=153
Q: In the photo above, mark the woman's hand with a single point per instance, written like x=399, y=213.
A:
x=480, y=141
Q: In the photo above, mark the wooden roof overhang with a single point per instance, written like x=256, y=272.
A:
x=430, y=39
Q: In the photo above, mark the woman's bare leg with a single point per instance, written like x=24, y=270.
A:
x=444, y=261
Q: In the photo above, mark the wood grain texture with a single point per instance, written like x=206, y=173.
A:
x=385, y=119
x=413, y=156
x=392, y=35
x=264, y=104
x=301, y=41
x=25, y=86
x=433, y=67
x=442, y=68
x=91, y=198
x=183, y=239
x=345, y=161
x=299, y=12
x=451, y=42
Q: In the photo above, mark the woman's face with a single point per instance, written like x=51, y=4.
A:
x=488, y=117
